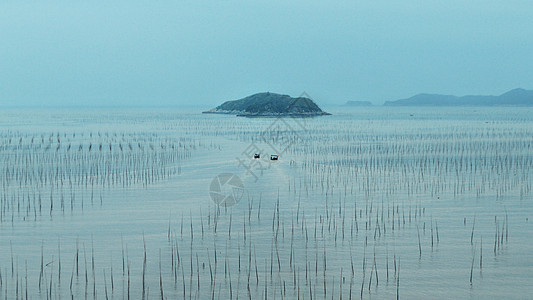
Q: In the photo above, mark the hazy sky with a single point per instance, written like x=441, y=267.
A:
x=201, y=52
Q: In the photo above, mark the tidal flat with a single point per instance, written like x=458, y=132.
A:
x=370, y=202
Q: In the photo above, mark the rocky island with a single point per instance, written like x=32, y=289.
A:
x=269, y=105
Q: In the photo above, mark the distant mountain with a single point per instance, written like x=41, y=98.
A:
x=516, y=97
x=358, y=103
x=269, y=105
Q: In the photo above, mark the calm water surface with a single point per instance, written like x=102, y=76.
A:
x=369, y=202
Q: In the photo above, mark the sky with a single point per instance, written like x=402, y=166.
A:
x=200, y=52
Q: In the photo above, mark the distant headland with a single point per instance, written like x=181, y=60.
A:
x=269, y=105
x=516, y=97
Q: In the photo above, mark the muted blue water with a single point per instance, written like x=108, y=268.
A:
x=447, y=167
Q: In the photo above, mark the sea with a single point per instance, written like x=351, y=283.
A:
x=370, y=202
